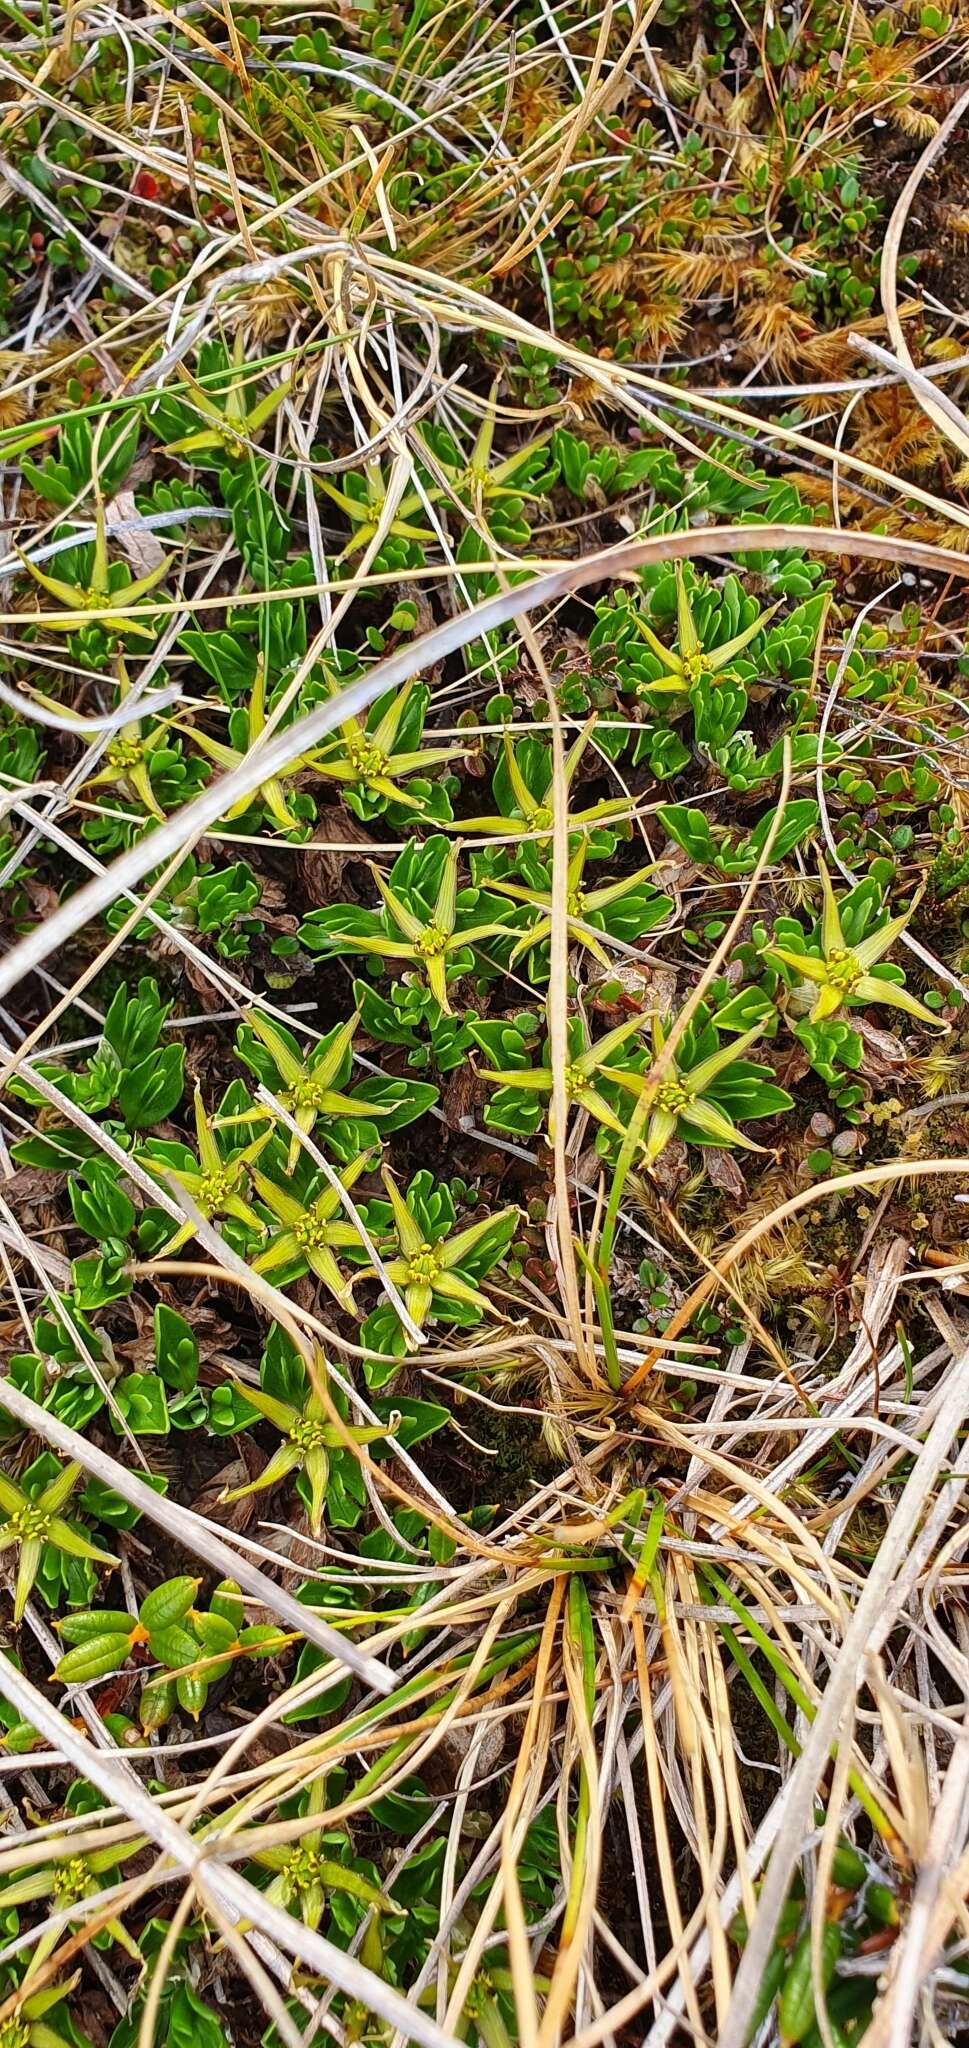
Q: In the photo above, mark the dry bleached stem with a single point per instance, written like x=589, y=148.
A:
x=884, y=1589
x=945, y=416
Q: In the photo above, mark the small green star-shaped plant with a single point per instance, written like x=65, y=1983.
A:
x=310, y=1087
x=435, y=940
x=477, y=481
x=248, y=725
x=66, y=1884
x=226, y=429
x=365, y=511
x=33, y=1523
x=630, y=903
x=534, y=809
x=691, y=664
x=432, y=944
x=686, y=1101
x=303, y=1875
x=310, y=1232
x=368, y=759
x=27, y=2027
x=428, y=1268
x=308, y=1438
x=127, y=755
x=216, y=1184
x=109, y=590
x=518, y=1104
x=841, y=973
x=319, y=1084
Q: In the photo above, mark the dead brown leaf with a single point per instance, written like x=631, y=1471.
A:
x=884, y=1053
x=723, y=1171
x=233, y=1514
x=322, y=863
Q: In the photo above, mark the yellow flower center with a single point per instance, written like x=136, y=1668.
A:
x=843, y=970
x=575, y=1081
x=310, y=1230
x=432, y=942
x=70, y=1881
x=15, y=2033
x=424, y=1266
x=307, y=1433
x=696, y=668
x=124, y=753
x=232, y=443
x=213, y=1188
x=306, y=1093
x=26, y=1524
x=366, y=758
x=301, y=1872
x=673, y=1096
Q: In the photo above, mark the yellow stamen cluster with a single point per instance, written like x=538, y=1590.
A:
x=213, y=1188
x=310, y=1231
x=843, y=971
x=366, y=758
x=672, y=1096
x=70, y=1881
x=307, y=1433
x=424, y=1266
